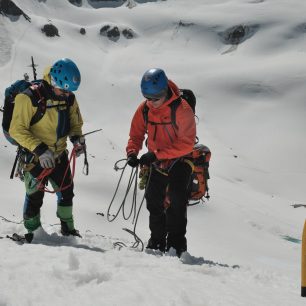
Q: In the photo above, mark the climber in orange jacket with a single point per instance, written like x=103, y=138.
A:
x=171, y=136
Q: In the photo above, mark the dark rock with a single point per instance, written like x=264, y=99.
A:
x=128, y=33
x=301, y=28
x=9, y=8
x=76, y=2
x=105, y=3
x=185, y=24
x=238, y=34
x=83, y=31
x=104, y=29
x=113, y=34
x=50, y=30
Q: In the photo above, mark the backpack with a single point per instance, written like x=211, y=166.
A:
x=200, y=156
x=32, y=89
x=198, y=187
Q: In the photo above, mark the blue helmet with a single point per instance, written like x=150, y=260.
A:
x=65, y=75
x=154, y=83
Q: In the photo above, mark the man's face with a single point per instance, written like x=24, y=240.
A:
x=61, y=92
x=156, y=102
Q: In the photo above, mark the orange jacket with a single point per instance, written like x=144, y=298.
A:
x=166, y=141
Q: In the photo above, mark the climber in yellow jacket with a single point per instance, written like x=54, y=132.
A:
x=44, y=116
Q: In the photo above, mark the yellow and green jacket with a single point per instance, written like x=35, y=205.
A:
x=61, y=119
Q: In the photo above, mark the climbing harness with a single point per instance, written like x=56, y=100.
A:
x=46, y=172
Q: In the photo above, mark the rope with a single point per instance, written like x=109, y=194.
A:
x=132, y=181
x=10, y=221
x=46, y=172
x=133, y=176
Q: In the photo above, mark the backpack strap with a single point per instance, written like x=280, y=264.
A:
x=173, y=106
x=33, y=92
x=145, y=112
x=41, y=104
x=70, y=100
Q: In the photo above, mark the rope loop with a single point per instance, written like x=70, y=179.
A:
x=134, y=211
x=41, y=179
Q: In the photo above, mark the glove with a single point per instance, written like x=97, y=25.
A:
x=47, y=159
x=147, y=159
x=132, y=160
x=79, y=145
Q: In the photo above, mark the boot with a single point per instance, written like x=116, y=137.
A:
x=65, y=231
x=157, y=244
x=178, y=243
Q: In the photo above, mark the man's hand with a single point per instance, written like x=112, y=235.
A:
x=147, y=159
x=132, y=160
x=47, y=159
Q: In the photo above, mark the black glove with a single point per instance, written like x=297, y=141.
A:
x=132, y=160
x=147, y=159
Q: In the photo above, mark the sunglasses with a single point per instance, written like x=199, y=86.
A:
x=153, y=99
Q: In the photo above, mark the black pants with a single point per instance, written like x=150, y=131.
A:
x=173, y=220
x=34, y=197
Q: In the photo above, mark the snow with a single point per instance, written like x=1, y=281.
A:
x=251, y=108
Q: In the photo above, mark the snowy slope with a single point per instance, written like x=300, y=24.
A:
x=251, y=108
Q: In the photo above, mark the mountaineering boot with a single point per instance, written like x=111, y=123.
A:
x=29, y=237
x=67, y=224
x=157, y=244
x=65, y=231
x=177, y=243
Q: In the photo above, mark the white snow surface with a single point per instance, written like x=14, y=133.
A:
x=251, y=109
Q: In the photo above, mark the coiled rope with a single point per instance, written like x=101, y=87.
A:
x=132, y=183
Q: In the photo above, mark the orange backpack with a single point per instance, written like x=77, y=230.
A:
x=200, y=158
x=198, y=187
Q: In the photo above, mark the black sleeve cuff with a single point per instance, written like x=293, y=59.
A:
x=40, y=149
x=74, y=138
